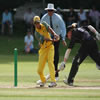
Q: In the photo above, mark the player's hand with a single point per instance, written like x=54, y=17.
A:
x=56, y=38
x=64, y=43
x=62, y=66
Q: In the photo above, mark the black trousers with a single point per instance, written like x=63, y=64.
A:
x=88, y=48
x=56, y=56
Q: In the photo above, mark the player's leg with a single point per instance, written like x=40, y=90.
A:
x=51, y=66
x=42, y=62
x=79, y=58
x=56, y=57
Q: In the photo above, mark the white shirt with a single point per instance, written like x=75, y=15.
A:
x=28, y=40
x=28, y=16
x=82, y=16
x=57, y=22
x=6, y=17
x=94, y=14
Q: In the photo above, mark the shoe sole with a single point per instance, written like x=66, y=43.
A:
x=52, y=86
x=71, y=84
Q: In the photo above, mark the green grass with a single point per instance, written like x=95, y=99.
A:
x=88, y=76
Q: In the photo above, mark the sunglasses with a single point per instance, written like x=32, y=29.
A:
x=50, y=10
x=36, y=22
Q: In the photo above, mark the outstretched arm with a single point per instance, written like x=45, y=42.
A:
x=63, y=64
x=92, y=29
x=67, y=55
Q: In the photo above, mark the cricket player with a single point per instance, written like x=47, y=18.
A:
x=46, y=52
x=57, y=24
x=88, y=47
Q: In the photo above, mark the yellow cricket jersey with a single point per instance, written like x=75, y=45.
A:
x=43, y=33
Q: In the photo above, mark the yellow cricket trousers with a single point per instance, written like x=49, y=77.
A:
x=46, y=54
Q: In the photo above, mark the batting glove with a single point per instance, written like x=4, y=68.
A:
x=62, y=66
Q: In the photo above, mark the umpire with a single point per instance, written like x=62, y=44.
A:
x=58, y=25
x=88, y=47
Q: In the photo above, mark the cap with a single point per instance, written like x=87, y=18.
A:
x=73, y=25
x=36, y=19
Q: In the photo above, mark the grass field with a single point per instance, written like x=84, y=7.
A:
x=87, y=81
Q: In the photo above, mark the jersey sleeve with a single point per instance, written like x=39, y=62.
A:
x=72, y=42
x=39, y=37
x=90, y=32
x=46, y=25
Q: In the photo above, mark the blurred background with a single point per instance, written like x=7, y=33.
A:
x=62, y=3
x=70, y=11
x=19, y=7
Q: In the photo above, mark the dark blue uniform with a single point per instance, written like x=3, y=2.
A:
x=88, y=48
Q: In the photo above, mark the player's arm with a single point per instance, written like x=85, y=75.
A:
x=92, y=29
x=47, y=39
x=67, y=53
x=56, y=37
x=63, y=64
x=49, y=29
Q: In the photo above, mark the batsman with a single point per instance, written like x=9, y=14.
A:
x=46, y=52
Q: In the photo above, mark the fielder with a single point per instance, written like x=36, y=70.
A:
x=46, y=52
x=88, y=47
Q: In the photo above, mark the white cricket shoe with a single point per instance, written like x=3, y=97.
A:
x=52, y=84
x=47, y=78
x=38, y=82
x=56, y=78
x=42, y=84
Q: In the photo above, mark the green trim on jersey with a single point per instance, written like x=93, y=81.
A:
x=46, y=25
x=39, y=37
